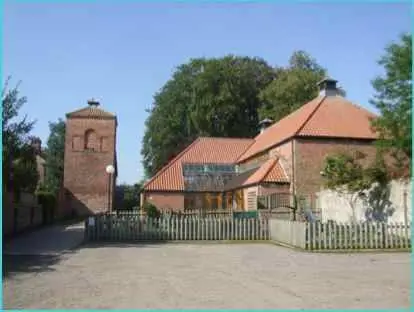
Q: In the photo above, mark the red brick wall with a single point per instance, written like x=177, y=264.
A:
x=310, y=156
x=166, y=201
x=85, y=178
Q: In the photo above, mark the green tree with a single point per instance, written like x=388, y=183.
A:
x=204, y=97
x=128, y=196
x=345, y=174
x=54, y=153
x=294, y=86
x=19, y=162
x=393, y=99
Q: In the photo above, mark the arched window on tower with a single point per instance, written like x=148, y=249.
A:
x=91, y=140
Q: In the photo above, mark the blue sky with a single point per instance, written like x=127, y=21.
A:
x=123, y=52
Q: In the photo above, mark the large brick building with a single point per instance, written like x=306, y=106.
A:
x=287, y=156
x=90, y=146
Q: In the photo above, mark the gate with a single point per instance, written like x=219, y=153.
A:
x=287, y=206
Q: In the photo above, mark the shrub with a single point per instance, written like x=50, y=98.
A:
x=151, y=210
x=47, y=199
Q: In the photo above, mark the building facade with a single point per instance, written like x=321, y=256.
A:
x=286, y=157
x=90, y=146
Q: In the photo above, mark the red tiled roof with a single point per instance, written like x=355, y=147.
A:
x=90, y=112
x=324, y=116
x=270, y=171
x=203, y=151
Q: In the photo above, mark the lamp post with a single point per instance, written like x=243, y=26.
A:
x=110, y=171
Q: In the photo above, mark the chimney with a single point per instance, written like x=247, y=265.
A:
x=93, y=103
x=265, y=123
x=327, y=87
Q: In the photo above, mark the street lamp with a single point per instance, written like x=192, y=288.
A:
x=110, y=171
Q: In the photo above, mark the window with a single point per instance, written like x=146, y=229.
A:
x=189, y=201
x=229, y=200
x=208, y=168
x=91, y=140
x=212, y=201
x=192, y=168
x=239, y=200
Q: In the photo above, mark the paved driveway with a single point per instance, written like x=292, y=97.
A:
x=211, y=276
x=48, y=241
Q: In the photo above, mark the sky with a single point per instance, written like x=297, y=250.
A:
x=123, y=52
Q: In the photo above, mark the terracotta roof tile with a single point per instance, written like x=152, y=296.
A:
x=337, y=117
x=90, y=112
x=329, y=116
x=270, y=171
x=276, y=175
x=203, y=151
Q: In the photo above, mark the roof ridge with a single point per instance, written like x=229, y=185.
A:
x=171, y=162
x=90, y=108
x=309, y=116
x=225, y=138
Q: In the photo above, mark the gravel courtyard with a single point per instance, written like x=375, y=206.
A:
x=211, y=276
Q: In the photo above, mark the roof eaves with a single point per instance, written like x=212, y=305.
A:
x=170, y=163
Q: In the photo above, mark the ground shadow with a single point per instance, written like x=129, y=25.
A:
x=379, y=207
x=15, y=264
x=123, y=244
x=74, y=206
x=38, y=251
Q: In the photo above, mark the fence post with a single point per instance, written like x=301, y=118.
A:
x=405, y=214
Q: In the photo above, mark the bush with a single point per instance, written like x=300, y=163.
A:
x=47, y=199
x=151, y=210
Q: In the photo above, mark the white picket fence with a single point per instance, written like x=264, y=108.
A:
x=307, y=236
x=132, y=227
x=340, y=236
x=288, y=232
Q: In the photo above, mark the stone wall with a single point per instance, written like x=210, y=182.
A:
x=337, y=207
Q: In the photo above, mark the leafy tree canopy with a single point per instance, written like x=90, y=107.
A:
x=294, y=86
x=128, y=196
x=393, y=99
x=345, y=174
x=19, y=162
x=223, y=97
x=204, y=97
x=54, y=153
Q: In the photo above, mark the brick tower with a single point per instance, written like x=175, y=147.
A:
x=90, y=146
